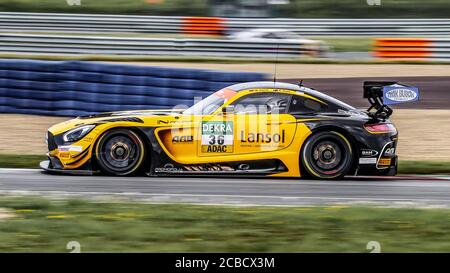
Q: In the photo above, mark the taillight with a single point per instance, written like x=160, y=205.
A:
x=380, y=128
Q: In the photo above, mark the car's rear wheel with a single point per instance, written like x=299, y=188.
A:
x=327, y=155
x=120, y=152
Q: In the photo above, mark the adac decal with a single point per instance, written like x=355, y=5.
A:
x=217, y=137
x=182, y=139
x=396, y=93
x=263, y=137
x=217, y=149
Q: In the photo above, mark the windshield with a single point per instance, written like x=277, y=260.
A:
x=211, y=103
x=325, y=97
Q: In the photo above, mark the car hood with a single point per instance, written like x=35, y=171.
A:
x=149, y=117
x=160, y=112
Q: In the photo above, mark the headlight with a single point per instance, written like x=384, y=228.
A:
x=77, y=133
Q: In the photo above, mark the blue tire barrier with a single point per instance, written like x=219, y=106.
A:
x=72, y=88
x=28, y=75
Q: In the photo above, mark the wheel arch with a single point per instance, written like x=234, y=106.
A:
x=138, y=131
x=327, y=128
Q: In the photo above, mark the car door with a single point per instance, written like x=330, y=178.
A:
x=262, y=123
x=258, y=124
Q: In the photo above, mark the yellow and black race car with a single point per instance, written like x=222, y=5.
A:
x=256, y=128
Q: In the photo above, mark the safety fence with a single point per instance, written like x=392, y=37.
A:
x=82, y=23
x=75, y=88
x=203, y=25
x=56, y=44
x=425, y=49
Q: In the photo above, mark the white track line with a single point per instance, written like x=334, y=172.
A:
x=367, y=199
x=441, y=182
x=17, y=170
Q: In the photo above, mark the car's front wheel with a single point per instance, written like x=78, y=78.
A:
x=327, y=155
x=120, y=152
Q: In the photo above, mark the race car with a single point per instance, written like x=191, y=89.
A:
x=314, y=48
x=255, y=128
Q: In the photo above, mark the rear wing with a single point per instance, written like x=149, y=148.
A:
x=381, y=94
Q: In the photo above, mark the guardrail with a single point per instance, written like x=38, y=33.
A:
x=83, y=23
x=420, y=49
x=337, y=27
x=75, y=23
x=55, y=44
x=78, y=88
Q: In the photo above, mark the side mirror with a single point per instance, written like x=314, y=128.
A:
x=228, y=109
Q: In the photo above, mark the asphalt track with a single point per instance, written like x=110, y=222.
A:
x=400, y=191
x=434, y=91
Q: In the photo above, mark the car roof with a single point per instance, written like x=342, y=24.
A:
x=283, y=85
x=263, y=84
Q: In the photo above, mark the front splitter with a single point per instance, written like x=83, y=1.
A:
x=46, y=166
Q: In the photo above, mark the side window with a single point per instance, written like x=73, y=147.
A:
x=301, y=105
x=262, y=103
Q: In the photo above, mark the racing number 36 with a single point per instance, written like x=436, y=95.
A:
x=217, y=137
x=213, y=139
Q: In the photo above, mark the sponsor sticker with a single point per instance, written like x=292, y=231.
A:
x=395, y=94
x=70, y=148
x=64, y=155
x=384, y=162
x=368, y=153
x=182, y=139
x=168, y=168
x=217, y=137
x=389, y=152
x=263, y=137
x=368, y=160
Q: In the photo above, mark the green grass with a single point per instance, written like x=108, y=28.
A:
x=20, y=161
x=296, y=8
x=337, y=44
x=42, y=225
x=168, y=7
x=423, y=167
x=405, y=167
x=123, y=35
x=347, y=43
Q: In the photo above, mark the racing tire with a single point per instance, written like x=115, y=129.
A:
x=327, y=155
x=120, y=152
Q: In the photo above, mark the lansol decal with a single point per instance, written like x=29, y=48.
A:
x=263, y=137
